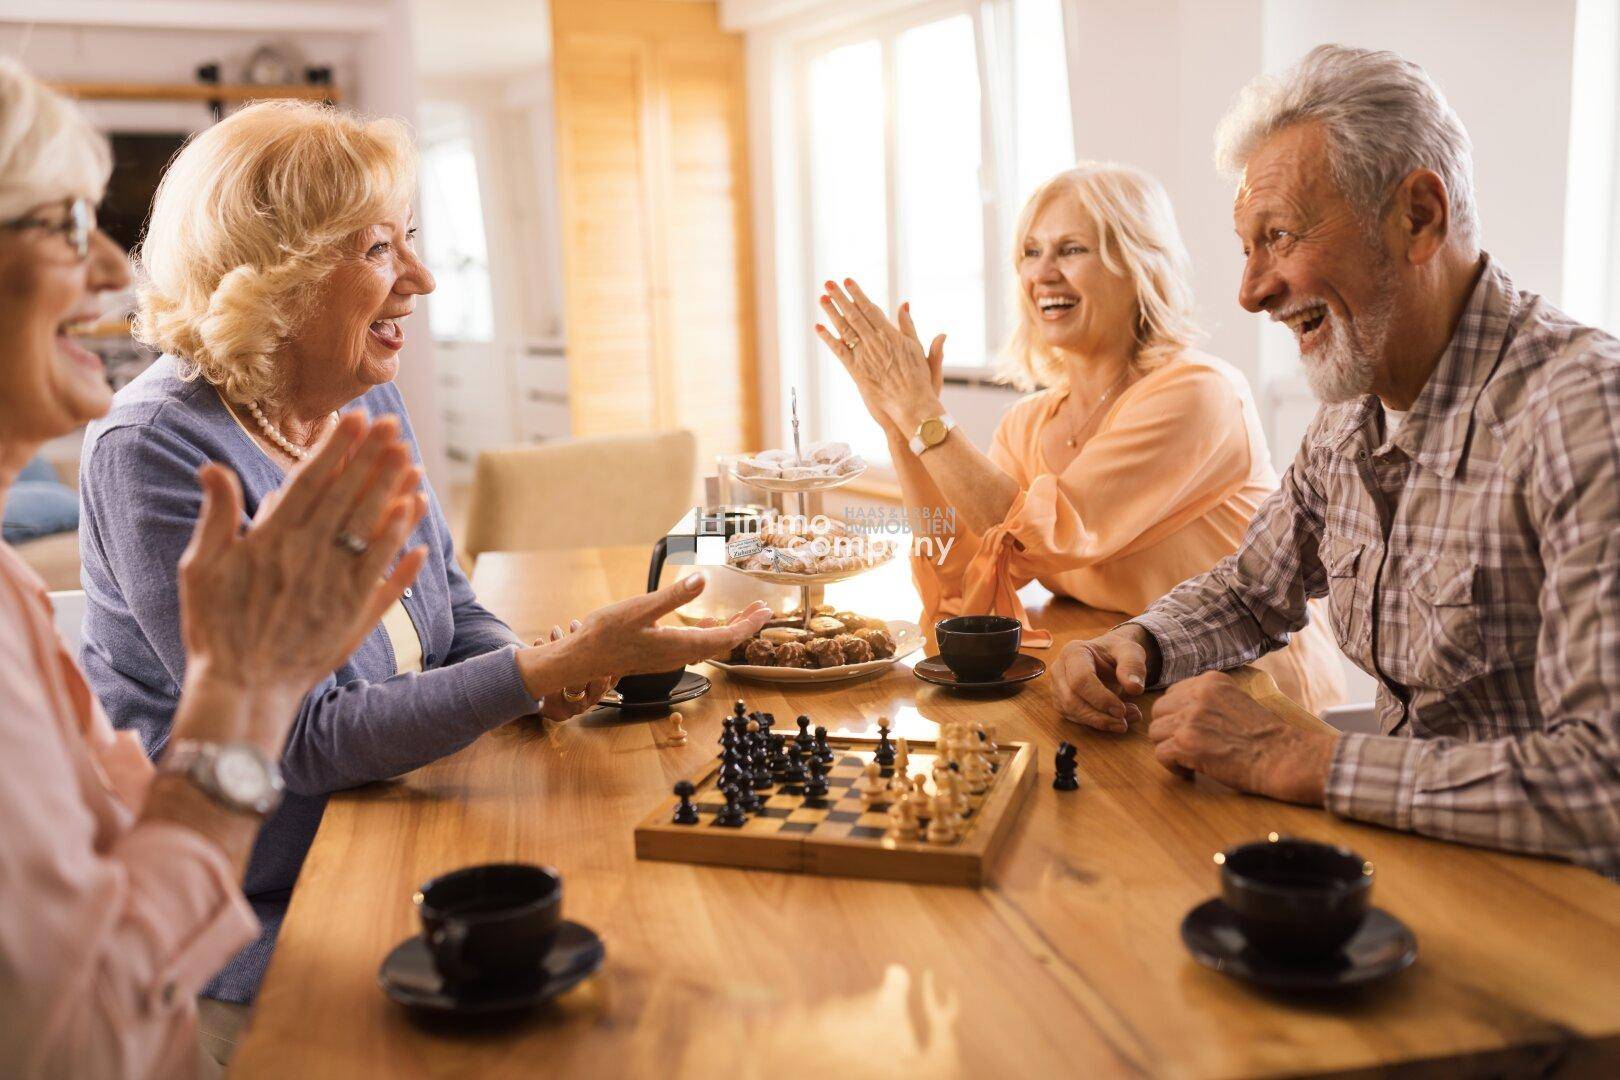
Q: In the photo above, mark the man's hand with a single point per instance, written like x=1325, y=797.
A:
x=1208, y=724
x=1093, y=678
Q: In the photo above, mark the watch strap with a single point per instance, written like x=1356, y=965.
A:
x=918, y=446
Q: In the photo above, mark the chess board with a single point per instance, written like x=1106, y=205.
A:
x=836, y=835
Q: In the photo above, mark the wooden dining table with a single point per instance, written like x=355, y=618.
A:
x=1067, y=962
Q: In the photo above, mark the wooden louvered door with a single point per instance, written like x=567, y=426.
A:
x=654, y=195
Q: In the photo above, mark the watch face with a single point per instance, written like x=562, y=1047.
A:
x=932, y=431
x=240, y=775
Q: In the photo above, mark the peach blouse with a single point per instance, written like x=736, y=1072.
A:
x=1162, y=491
x=109, y=925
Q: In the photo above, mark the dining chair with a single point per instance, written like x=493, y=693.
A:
x=599, y=491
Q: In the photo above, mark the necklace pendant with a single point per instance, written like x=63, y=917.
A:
x=1070, y=441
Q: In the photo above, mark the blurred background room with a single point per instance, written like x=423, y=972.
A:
x=629, y=205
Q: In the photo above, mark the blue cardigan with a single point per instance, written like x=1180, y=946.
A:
x=362, y=723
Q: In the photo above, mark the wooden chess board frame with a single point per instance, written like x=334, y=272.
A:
x=846, y=847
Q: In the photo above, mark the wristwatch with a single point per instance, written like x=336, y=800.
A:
x=237, y=775
x=931, y=432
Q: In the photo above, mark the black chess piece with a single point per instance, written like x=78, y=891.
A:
x=795, y=766
x=779, y=758
x=816, y=787
x=1066, y=767
x=731, y=815
x=731, y=770
x=728, y=735
x=750, y=802
x=739, y=709
x=885, y=749
x=804, y=741
x=761, y=766
x=824, y=752
x=686, y=812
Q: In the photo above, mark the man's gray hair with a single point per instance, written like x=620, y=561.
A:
x=1382, y=116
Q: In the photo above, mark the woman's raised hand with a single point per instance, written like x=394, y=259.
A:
x=899, y=381
x=278, y=606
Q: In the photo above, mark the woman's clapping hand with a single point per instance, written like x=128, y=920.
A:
x=276, y=607
x=899, y=381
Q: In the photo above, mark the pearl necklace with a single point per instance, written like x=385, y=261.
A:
x=273, y=433
x=1092, y=415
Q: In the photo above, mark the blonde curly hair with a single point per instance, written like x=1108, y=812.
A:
x=249, y=218
x=1138, y=238
x=48, y=150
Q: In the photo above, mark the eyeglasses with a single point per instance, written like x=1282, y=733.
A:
x=76, y=227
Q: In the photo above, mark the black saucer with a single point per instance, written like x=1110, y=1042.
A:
x=1023, y=669
x=409, y=977
x=692, y=685
x=1382, y=946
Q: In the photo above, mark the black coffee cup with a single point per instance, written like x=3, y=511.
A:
x=654, y=687
x=978, y=648
x=490, y=923
x=1295, y=899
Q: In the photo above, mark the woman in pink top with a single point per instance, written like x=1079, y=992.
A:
x=120, y=885
x=1138, y=465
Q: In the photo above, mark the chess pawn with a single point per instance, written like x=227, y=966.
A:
x=918, y=798
x=870, y=785
x=902, y=821
x=941, y=821
x=677, y=733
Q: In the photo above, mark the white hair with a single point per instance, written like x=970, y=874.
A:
x=48, y=150
x=1382, y=117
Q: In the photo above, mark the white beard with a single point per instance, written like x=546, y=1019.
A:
x=1344, y=366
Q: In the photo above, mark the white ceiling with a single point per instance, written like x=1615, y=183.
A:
x=466, y=38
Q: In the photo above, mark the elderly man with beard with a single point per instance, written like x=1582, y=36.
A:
x=1457, y=497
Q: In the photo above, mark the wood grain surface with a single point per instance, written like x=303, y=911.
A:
x=1068, y=964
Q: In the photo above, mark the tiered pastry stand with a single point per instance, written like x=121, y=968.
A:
x=801, y=488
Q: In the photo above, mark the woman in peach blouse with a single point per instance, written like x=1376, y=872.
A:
x=1137, y=464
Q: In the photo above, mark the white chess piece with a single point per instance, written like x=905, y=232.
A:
x=902, y=821
x=870, y=785
x=902, y=756
x=677, y=734
x=899, y=784
x=941, y=821
x=976, y=771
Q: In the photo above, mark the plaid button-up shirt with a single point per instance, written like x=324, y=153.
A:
x=1471, y=562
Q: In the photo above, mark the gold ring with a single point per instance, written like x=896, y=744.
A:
x=850, y=341
x=574, y=696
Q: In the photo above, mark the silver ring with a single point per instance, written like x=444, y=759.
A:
x=351, y=543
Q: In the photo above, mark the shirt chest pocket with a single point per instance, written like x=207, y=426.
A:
x=1441, y=648
x=1347, y=599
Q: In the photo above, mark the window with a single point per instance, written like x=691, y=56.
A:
x=1591, y=221
x=453, y=242
x=922, y=137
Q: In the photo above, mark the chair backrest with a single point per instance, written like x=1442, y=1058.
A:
x=589, y=492
x=68, y=608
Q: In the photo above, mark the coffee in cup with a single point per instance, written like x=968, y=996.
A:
x=634, y=689
x=492, y=922
x=978, y=648
x=1295, y=899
